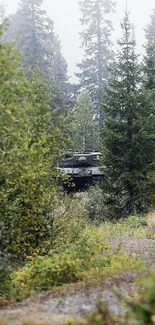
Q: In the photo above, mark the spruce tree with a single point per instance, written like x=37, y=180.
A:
x=30, y=26
x=129, y=134
x=149, y=58
x=95, y=40
x=149, y=65
x=33, y=33
x=85, y=133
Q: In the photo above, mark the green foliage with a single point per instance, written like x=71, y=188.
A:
x=89, y=258
x=67, y=264
x=69, y=226
x=95, y=40
x=134, y=227
x=13, y=88
x=31, y=138
x=44, y=273
x=149, y=58
x=95, y=205
x=33, y=33
x=69, y=221
x=135, y=222
x=85, y=132
x=143, y=309
x=128, y=135
x=5, y=270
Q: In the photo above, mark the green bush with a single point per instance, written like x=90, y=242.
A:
x=94, y=205
x=88, y=258
x=32, y=139
x=43, y=273
x=67, y=264
x=69, y=221
x=5, y=270
x=143, y=309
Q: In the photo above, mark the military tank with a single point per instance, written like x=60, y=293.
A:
x=81, y=170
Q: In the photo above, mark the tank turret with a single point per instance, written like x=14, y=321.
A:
x=81, y=170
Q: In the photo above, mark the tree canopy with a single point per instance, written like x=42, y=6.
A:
x=128, y=134
x=96, y=42
x=85, y=133
x=33, y=33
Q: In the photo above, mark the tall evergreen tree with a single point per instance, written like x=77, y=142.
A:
x=149, y=63
x=34, y=34
x=30, y=26
x=85, y=133
x=149, y=59
x=97, y=47
x=129, y=134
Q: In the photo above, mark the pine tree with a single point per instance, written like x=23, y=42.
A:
x=85, y=133
x=149, y=59
x=128, y=135
x=97, y=47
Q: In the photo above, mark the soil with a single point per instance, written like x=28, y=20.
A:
x=48, y=308
x=140, y=248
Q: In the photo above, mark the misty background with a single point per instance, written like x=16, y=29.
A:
x=66, y=17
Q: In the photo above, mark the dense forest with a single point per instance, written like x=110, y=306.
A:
x=48, y=238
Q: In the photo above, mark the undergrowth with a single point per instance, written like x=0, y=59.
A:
x=67, y=264
x=79, y=252
x=135, y=227
x=140, y=311
x=87, y=259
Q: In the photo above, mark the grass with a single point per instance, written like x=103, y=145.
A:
x=134, y=227
x=82, y=253
x=28, y=321
x=151, y=219
x=84, y=262
x=151, y=224
x=87, y=260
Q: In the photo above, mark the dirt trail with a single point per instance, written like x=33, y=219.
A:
x=54, y=310
x=136, y=247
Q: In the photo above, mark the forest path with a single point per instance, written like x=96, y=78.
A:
x=50, y=309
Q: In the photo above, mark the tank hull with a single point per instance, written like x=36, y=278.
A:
x=81, y=171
